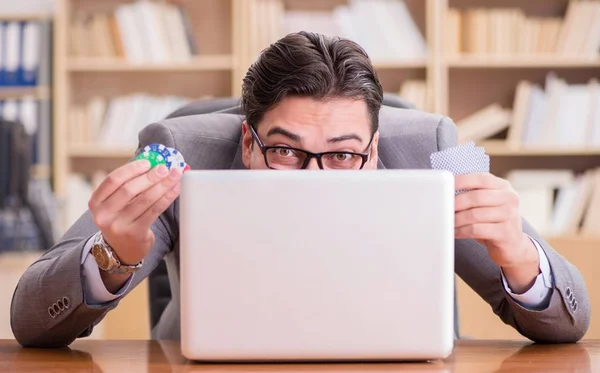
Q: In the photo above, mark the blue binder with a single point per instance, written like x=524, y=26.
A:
x=12, y=56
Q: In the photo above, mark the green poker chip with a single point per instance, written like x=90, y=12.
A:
x=153, y=157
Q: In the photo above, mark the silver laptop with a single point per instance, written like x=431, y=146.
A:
x=317, y=265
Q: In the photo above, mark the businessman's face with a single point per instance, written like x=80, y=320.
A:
x=340, y=128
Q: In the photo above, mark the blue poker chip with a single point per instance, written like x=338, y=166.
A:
x=164, y=151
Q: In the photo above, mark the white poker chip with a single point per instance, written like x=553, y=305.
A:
x=177, y=160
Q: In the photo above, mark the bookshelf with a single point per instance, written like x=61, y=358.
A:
x=202, y=63
x=458, y=73
x=483, y=71
x=92, y=62
x=28, y=101
x=518, y=62
x=103, y=64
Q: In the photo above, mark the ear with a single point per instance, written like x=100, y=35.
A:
x=375, y=151
x=247, y=142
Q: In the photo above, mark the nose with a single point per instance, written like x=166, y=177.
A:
x=313, y=164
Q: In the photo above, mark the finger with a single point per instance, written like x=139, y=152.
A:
x=149, y=198
x=480, y=215
x=134, y=187
x=152, y=213
x=481, y=180
x=479, y=198
x=116, y=179
x=483, y=231
x=106, y=213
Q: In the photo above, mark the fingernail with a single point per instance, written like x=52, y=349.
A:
x=162, y=170
x=144, y=164
x=175, y=174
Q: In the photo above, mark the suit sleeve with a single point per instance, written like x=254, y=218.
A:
x=94, y=291
x=566, y=317
x=48, y=307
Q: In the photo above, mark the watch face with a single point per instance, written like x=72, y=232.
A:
x=101, y=257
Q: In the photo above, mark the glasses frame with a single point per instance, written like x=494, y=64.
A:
x=310, y=155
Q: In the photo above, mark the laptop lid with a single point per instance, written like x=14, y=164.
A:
x=317, y=265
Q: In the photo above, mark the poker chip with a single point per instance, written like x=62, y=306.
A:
x=161, y=154
x=164, y=151
x=154, y=158
x=177, y=160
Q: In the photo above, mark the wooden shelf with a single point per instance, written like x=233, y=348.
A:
x=39, y=92
x=202, y=63
x=500, y=148
x=407, y=64
x=41, y=171
x=25, y=17
x=575, y=238
x=541, y=62
x=99, y=151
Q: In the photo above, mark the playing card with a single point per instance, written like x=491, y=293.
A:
x=461, y=159
x=462, y=152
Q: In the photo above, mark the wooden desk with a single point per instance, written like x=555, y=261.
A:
x=96, y=356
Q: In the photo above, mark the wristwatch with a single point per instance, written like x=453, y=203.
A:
x=108, y=260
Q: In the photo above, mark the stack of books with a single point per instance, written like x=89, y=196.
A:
x=139, y=32
x=116, y=122
x=384, y=28
x=555, y=115
x=559, y=202
x=510, y=32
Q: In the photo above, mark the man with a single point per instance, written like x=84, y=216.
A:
x=309, y=102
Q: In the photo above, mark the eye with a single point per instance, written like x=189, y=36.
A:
x=284, y=152
x=342, y=157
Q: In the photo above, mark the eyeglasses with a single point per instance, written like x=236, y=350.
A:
x=288, y=158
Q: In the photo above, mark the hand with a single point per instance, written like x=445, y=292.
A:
x=489, y=213
x=128, y=201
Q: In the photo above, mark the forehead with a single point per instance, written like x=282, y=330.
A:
x=328, y=113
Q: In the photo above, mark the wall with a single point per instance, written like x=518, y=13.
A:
x=26, y=6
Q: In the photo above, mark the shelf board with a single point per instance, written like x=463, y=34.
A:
x=99, y=151
x=481, y=61
x=500, y=148
x=574, y=238
x=401, y=64
x=39, y=92
x=41, y=171
x=207, y=63
x=25, y=17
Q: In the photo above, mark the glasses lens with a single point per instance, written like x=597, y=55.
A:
x=341, y=161
x=285, y=158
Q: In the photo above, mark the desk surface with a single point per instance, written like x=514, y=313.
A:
x=165, y=356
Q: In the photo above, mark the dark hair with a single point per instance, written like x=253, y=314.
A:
x=312, y=65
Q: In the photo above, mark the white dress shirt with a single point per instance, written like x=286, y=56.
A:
x=95, y=292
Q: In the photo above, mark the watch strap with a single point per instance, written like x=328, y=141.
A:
x=118, y=267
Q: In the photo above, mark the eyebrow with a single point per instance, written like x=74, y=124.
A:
x=298, y=138
x=283, y=132
x=351, y=136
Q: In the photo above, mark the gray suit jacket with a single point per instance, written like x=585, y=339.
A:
x=212, y=141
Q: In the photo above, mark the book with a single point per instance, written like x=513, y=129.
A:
x=116, y=122
x=484, y=123
x=384, y=28
x=556, y=114
x=508, y=31
x=559, y=202
x=140, y=32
